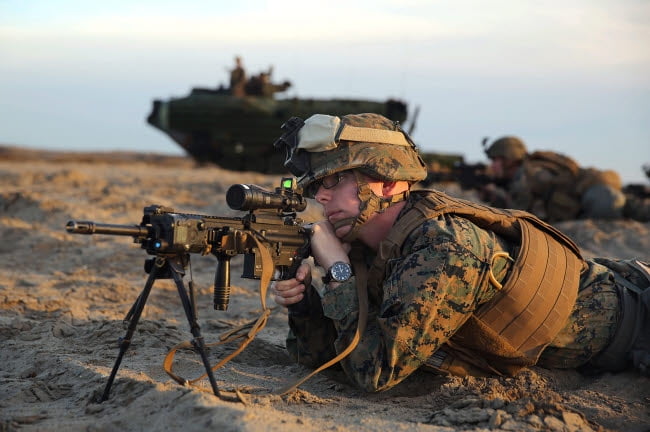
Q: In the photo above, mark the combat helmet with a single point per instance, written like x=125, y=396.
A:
x=508, y=147
x=366, y=143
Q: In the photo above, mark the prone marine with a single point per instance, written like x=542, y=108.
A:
x=404, y=279
x=554, y=187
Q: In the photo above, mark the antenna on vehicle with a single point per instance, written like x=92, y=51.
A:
x=411, y=128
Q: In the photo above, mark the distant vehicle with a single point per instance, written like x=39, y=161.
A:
x=235, y=126
x=237, y=132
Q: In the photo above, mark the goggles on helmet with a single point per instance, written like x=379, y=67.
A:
x=297, y=163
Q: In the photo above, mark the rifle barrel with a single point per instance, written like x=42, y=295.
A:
x=89, y=227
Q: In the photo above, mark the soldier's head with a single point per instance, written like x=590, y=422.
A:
x=506, y=154
x=324, y=149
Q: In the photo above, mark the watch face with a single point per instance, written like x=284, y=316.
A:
x=340, y=271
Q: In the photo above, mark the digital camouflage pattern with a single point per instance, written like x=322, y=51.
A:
x=428, y=294
x=381, y=161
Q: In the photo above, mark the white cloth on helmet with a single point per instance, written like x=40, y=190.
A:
x=319, y=133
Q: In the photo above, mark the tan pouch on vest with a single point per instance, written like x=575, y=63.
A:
x=511, y=331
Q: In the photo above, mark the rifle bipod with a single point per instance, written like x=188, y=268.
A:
x=164, y=267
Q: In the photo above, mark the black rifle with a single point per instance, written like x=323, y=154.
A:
x=269, y=234
x=468, y=176
x=637, y=190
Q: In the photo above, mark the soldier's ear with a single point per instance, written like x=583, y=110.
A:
x=390, y=188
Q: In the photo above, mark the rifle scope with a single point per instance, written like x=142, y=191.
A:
x=252, y=197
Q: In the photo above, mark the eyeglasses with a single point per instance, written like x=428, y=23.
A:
x=327, y=182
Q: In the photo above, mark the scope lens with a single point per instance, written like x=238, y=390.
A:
x=236, y=196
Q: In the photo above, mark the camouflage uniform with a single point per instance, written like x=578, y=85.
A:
x=432, y=289
x=428, y=294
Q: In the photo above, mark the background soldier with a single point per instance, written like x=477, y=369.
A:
x=551, y=185
x=262, y=85
x=238, y=79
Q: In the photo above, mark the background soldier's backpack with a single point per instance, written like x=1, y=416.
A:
x=556, y=162
x=592, y=176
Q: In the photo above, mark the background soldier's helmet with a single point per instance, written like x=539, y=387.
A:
x=325, y=145
x=509, y=147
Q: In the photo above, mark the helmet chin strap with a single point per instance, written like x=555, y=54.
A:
x=370, y=204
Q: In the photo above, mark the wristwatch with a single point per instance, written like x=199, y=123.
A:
x=339, y=272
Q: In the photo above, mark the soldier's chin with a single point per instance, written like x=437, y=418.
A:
x=343, y=231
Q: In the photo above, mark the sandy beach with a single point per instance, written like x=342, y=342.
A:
x=63, y=299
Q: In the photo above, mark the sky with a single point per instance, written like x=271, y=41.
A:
x=566, y=75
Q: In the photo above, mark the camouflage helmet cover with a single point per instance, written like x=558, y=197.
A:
x=379, y=160
x=509, y=147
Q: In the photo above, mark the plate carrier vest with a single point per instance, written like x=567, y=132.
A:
x=510, y=331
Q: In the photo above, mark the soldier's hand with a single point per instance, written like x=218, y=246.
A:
x=291, y=291
x=326, y=247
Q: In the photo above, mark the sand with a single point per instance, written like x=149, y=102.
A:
x=63, y=299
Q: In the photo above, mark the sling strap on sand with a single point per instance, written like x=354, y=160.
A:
x=247, y=332
x=361, y=279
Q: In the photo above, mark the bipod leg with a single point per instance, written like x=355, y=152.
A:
x=134, y=317
x=149, y=264
x=177, y=267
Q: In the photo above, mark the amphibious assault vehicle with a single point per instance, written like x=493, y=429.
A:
x=237, y=132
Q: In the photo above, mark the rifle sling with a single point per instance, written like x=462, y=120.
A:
x=247, y=331
x=250, y=329
x=361, y=279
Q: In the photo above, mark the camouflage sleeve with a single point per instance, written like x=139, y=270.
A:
x=428, y=294
x=311, y=334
